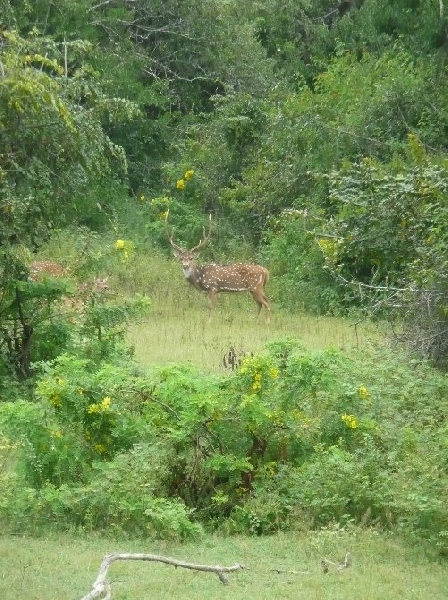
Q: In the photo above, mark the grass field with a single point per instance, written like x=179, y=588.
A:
x=178, y=330
x=284, y=567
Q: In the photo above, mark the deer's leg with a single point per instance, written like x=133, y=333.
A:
x=267, y=308
x=211, y=303
x=261, y=300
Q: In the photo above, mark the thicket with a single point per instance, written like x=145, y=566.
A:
x=292, y=439
x=315, y=133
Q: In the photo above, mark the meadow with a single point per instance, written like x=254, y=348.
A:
x=281, y=566
x=177, y=328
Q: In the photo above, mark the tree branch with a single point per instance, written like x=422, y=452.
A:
x=337, y=566
x=101, y=587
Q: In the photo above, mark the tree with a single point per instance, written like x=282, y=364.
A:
x=56, y=164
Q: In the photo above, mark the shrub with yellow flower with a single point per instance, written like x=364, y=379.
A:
x=55, y=400
x=100, y=448
x=350, y=421
x=188, y=175
x=256, y=385
x=258, y=371
x=125, y=248
x=329, y=248
x=180, y=184
x=100, y=407
x=363, y=392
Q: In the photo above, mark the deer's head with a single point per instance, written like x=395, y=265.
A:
x=188, y=257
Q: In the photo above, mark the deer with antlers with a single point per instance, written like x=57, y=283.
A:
x=213, y=279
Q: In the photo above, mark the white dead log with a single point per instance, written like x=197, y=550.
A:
x=337, y=566
x=101, y=587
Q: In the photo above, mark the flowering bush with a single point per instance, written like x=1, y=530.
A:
x=292, y=436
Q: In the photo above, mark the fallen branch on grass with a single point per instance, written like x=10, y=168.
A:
x=338, y=566
x=101, y=587
x=281, y=572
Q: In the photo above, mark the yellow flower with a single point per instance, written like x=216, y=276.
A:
x=363, y=392
x=55, y=401
x=142, y=198
x=119, y=244
x=188, y=175
x=163, y=215
x=100, y=407
x=273, y=373
x=101, y=448
x=350, y=421
x=329, y=248
x=256, y=386
x=180, y=184
x=59, y=381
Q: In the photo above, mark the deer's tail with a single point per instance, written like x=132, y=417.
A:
x=265, y=277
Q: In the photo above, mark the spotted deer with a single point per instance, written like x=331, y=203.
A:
x=42, y=269
x=213, y=279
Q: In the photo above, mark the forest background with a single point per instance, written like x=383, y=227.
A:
x=315, y=134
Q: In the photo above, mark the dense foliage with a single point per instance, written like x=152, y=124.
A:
x=292, y=439
x=315, y=133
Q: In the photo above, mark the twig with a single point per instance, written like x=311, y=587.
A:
x=338, y=566
x=101, y=587
x=282, y=571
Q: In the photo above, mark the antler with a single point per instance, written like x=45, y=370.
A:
x=170, y=237
x=202, y=242
x=207, y=237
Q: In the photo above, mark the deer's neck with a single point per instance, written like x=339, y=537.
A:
x=193, y=275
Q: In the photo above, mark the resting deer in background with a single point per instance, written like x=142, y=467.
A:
x=214, y=279
x=42, y=269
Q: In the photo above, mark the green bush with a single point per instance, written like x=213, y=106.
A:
x=292, y=439
x=297, y=262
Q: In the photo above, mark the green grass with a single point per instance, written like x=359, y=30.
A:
x=66, y=566
x=178, y=330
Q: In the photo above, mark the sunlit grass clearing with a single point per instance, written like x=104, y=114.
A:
x=178, y=329
x=285, y=566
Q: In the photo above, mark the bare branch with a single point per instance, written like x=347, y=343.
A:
x=101, y=587
x=337, y=566
x=282, y=571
